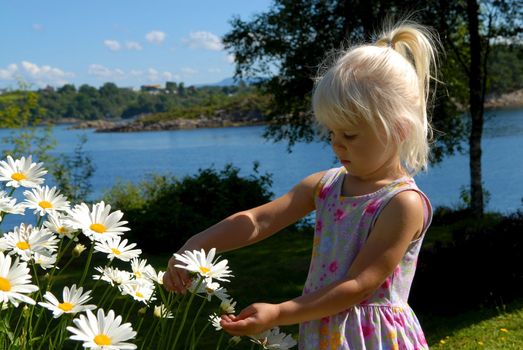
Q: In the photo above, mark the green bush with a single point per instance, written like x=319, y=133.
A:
x=164, y=211
x=480, y=265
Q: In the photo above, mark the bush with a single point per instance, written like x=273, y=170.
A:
x=164, y=211
x=481, y=265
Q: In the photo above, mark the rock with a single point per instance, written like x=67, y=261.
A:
x=510, y=100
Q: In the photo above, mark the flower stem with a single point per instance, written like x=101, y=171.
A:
x=87, y=265
x=184, y=318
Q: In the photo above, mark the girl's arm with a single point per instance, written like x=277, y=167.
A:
x=248, y=227
x=400, y=221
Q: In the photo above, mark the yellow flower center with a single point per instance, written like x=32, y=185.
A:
x=65, y=306
x=138, y=274
x=61, y=230
x=5, y=285
x=99, y=228
x=139, y=295
x=116, y=251
x=45, y=204
x=204, y=270
x=102, y=339
x=23, y=245
x=18, y=177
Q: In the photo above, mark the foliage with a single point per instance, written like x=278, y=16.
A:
x=477, y=266
x=43, y=268
x=22, y=113
x=167, y=210
x=113, y=102
x=235, y=107
x=72, y=173
x=289, y=41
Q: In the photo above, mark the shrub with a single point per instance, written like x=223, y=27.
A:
x=164, y=211
x=480, y=265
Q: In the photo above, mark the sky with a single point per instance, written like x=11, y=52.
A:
x=128, y=42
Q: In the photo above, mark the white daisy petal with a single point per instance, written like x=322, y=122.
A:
x=102, y=331
x=21, y=172
x=14, y=280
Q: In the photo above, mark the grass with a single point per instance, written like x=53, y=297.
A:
x=274, y=270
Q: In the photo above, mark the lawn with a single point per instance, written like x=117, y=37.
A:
x=275, y=270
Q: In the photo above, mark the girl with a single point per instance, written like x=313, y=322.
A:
x=370, y=215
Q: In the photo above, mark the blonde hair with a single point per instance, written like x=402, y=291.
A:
x=386, y=85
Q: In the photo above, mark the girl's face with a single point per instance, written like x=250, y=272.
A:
x=364, y=153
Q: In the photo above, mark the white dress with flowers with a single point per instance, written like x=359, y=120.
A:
x=385, y=320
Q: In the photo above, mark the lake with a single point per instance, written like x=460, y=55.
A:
x=134, y=156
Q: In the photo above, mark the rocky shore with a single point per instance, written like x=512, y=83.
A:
x=505, y=101
x=227, y=119
x=219, y=120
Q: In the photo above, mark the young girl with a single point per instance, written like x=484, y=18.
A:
x=371, y=216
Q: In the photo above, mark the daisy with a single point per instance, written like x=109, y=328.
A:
x=227, y=306
x=151, y=275
x=140, y=290
x=21, y=172
x=273, y=339
x=215, y=321
x=113, y=275
x=102, y=332
x=116, y=249
x=60, y=225
x=161, y=311
x=197, y=261
x=73, y=301
x=45, y=200
x=97, y=224
x=45, y=261
x=14, y=281
x=26, y=240
x=141, y=269
x=209, y=288
x=8, y=205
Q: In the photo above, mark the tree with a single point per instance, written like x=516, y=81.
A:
x=470, y=31
x=288, y=42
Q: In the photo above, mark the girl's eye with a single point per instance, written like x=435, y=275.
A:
x=349, y=136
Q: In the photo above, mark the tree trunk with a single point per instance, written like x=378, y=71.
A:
x=476, y=109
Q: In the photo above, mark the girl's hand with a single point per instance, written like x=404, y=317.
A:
x=252, y=320
x=176, y=279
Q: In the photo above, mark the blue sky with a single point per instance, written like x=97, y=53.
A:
x=128, y=42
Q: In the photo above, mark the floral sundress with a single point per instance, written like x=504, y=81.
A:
x=384, y=321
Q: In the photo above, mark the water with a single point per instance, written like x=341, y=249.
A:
x=134, y=156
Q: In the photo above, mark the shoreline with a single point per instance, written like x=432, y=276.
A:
x=513, y=100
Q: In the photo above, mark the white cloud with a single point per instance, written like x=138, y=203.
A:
x=44, y=75
x=113, y=45
x=189, y=71
x=214, y=70
x=155, y=37
x=9, y=73
x=155, y=75
x=136, y=73
x=34, y=74
x=38, y=27
x=103, y=72
x=133, y=45
x=204, y=40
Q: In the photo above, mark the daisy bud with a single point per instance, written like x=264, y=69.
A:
x=142, y=311
x=25, y=311
x=78, y=249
